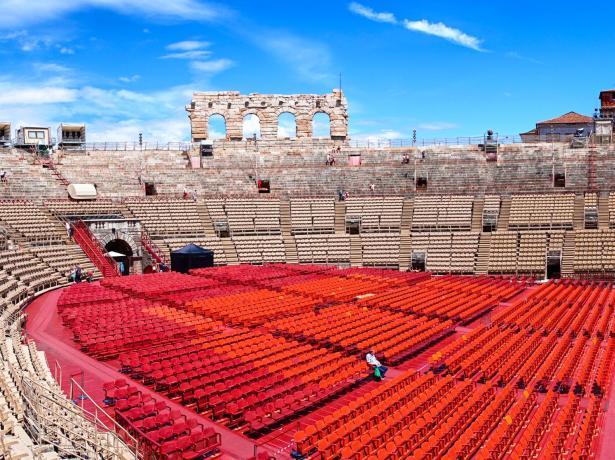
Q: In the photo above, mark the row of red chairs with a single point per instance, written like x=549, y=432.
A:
x=169, y=434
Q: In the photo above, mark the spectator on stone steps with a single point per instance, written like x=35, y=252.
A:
x=3, y=175
x=77, y=274
x=69, y=230
x=372, y=187
x=379, y=369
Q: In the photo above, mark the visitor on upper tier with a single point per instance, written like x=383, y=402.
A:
x=185, y=194
x=372, y=187
x=405, y=159
x=379, y=369
x=69, y=229
x=3, y=175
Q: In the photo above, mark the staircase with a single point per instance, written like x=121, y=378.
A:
x=93, y=249
x=504, y=216
x=578, y=218
x=285, y=220
x=55, y=172
x=482, y=259
x=568, y=250
x=290, y=247
x=152, y=248
x=591, y=170
x=405, y=251
x=406, y=216
x=477, y=214
x=229, y=251
x=208, y=225
x=356, y=251
x=340, y=217
x=603, y=210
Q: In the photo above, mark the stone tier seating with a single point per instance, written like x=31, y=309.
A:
x=27, y=179
x=380, y=250
x=30, y=271
x=377, y=214
x=63, y=258
x=591, y=200
x=534, y=212
x=522, y=252
x=323, y=249
x=442, y=212
x=594, y=251
x=213, y=244
x=168, y=217
x=87, y=209
x=259, y=249
x=448, y=252
x=30, y=222
x=312, y=215
x=247, y=217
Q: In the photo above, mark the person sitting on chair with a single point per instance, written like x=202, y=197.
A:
x=379, y=369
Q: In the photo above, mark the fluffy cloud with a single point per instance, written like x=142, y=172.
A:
x=443, y=31
x=212, y=67
x=437, y=29
x=44, y=10
x=370, y=14
x=130, y=79
x=187, y=45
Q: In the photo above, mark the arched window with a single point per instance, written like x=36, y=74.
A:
x=216, y=127
x=251, y=126
x=287, y=126
x=321, y=125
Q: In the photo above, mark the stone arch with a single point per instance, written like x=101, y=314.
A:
x=287, y=125
x=321, y=124
x=213, y=126
x=251, y=124
x=124, y=236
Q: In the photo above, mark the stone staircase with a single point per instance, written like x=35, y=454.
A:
x=477, y=214
x=405, y=251
x=482, y=258
x=290, y=248
x=208, y=225
x=340, y=217
x=229, y=251
x=568, y=250
x=285, y=219
x=504, y=215
x=356, y=251
x=406, y=217
x=578, y=218
x=603, y=210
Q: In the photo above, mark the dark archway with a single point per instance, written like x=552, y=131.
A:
x=121, y=247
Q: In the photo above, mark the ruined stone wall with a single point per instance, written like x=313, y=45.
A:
x=267, y=107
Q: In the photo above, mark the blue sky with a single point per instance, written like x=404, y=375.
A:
x=444, y=68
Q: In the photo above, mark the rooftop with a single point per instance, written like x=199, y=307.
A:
x=570, y=117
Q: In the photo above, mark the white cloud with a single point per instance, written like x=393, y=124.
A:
x=130, y=79
x=195, y=54
x=437, y=29
x=385, y=134
x=212, y=67
x=187, y=45
x=45, y=10
x=251, y=126
x=443, y=31
x=15, y=93
x=368, y=13
x=51, y=67
x=437, y=126
x=66, y=50
x=310, y=60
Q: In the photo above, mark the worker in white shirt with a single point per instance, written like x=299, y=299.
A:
x=379, y=369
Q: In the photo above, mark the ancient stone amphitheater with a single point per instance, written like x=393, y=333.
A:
x=535, y=211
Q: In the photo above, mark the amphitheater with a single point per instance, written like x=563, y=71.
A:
x=484, y=283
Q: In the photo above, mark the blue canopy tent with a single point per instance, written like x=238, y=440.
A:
x=191, y=256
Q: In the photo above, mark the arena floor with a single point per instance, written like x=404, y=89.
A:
x=286, y=306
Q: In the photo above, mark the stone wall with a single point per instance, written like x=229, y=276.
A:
x=267, y=107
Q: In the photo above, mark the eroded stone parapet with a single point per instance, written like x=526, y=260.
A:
x=267, y=107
